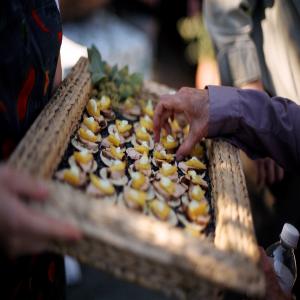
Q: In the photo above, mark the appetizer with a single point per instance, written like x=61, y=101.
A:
x=194, y=178
x=168, y=170
x=139, y=181
x=73, y=176
x=143, y=165
x=94, y=111
x=169, y=191
x=130, y=109
x=91, y=124
x=148, y=109
x=123, y=128
x=196, y=215
x=162, y=211
x=115, y=173
x=86, y=139
x=146, y=122
x=113, y=140
x=138, y=150
x=83, y=159
x=192, y=164
x=110, y=154
x=134, y=199
x=169, y=143
x=104, y=105
x=101, y=188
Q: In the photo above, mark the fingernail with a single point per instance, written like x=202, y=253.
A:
x=179, y=157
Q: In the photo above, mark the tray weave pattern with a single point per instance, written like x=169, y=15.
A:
x=133, y=246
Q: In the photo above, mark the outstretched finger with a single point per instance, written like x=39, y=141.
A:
x=39, y=225
x=159, y=110
x=23, y=184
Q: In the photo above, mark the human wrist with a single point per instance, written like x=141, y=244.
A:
x=224, y=110
x=253, y=85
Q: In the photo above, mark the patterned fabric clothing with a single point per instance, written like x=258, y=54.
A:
x=30, y=40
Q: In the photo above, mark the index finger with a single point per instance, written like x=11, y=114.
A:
x=23, y=184
x=39, y=225
x=168, y=103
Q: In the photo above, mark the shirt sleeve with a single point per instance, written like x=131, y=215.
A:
x=230, y=25
x=260, y=125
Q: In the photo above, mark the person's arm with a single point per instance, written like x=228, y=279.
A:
x=260, y=125
x=251, y=120
x=230, y=25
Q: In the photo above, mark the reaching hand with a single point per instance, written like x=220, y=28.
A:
x=23, y=230
x=193, y=104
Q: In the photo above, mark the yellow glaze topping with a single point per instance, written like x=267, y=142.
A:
x=186, y=130
x=197, y=193
x=143, y=163
x=117, y=153
x=160, y=209
x=104, y=103
x=169, y=142
x=138, y=180
x=114, y=139
x=147, y=123
x=137, y=197
x=88, y=135
x=167, y=185
x=83, y=157
x=196, y=179
x=167, y=169
x=102, y=184
x=175, y=127
x=162, y=155
x=143, y=148
x=117, y=166
x=123, y=126
x=142, y=134
x=91, y=124
x=195, y=163
x=196, y=209
x=148, y=109
x=72, y=176
x=92, y=108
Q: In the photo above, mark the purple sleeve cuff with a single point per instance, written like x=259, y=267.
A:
x=224, y=111
x=260, y=125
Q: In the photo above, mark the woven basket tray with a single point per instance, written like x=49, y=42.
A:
x=131, y=245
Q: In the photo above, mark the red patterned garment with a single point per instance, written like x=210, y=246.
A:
x=30, y=40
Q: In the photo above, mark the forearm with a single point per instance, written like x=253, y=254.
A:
x=260, y=125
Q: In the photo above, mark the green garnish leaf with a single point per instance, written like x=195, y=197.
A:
x=97, y=65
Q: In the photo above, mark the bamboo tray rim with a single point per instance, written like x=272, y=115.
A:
x=101, y=222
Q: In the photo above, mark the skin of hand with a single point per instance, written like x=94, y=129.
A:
x=268, y=172
x=193, y=104
x=273, y=289
x=23, y=230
